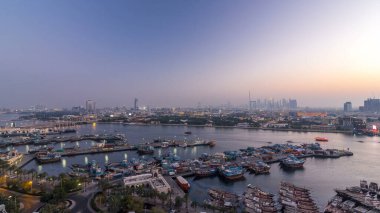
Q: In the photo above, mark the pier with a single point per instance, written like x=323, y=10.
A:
x=37, y=142
x=27, y=158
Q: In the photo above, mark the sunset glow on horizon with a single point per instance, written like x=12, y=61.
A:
x=180, y=53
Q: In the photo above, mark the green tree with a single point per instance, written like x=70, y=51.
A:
x=178, y=202
x=157, y=210
x=194, y=205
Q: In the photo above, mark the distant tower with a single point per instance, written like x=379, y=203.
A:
x=292, y=104
x=252, y=104
x=90, y=106
x=347, y=107
x=136, y=107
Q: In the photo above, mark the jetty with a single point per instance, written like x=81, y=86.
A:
x=51, y=140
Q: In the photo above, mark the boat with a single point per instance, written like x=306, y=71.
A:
x=47, y=157
x=296, y=199
x=222, y=199
x=328, y=153
x=364, y=186
x=259, y=167
x=231, y=172
x=292, y=162
x=205, y=172
x=322, y=139
x=188, y=133
x=257, y=201
x=164, y=144
x=182, y=182
x=212, y=143
x=11, y=157
x=95, y=170
x=145, y=150
x=183, y=145
x=373, y=188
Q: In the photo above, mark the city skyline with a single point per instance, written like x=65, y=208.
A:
x=172, y=53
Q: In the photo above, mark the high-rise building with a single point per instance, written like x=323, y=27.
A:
x=347, y=107
x=136, y=106
x=292, y=104
x=90, y=106
x=371, y=105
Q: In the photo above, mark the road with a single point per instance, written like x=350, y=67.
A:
x=30, y=203
x=82, y=200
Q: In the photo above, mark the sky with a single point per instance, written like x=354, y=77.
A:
x=182, y=53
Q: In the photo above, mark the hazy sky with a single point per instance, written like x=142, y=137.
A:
x=179, y=53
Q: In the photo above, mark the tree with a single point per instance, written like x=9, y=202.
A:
x=163, y=197
x=178, y=202
x=194, y=204
x=157, y=210
x=186, y=201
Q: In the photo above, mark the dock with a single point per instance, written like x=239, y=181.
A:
x=27, y=158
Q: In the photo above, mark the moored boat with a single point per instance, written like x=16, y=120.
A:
x=205, y=172
x=145, y=150
x=231, y=172
x=212, y=143
x=11, y=157
x=182, y=182
x=322, y=139
x=292, y=162
x=47, y=157
x=259, y=167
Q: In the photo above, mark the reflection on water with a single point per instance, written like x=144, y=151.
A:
x=194, y=150
x=27, y=148
x=39, y=168
x=106, y=158
x=85, y=160
x=175, y=151
x=125, y=156
x=64, y=163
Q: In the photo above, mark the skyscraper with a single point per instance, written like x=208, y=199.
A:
x=292, y=104
x=136, y=107
x=372, y=105
x=90, y=106
x=347, y=107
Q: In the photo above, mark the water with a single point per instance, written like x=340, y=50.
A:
x=320, y=175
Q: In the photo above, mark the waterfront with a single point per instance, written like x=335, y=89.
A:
x=320, y=175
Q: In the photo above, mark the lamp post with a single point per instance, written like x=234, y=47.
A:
x=15, y=203
x=31, y=186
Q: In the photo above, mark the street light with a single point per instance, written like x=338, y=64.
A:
x=31, y=186
x=10, y=197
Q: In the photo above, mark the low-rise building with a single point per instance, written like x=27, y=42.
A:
x=154, y=180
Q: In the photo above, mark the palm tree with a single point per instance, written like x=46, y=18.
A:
x=187, y=201
x=194, y=204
